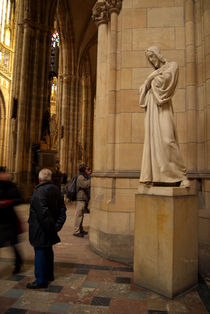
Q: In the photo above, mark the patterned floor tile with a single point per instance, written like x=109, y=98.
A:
x=125, y=306
x=112, y=290
x=90, y=284
x=101, y=275
x=53, y=288
x=68, y=295
x=156, y=303
x=6, y=285
x=194, y=303
x=100, y=301
x=137, y=295
x=16, y=277
x=123, y=280
x=35, y=300
x=59, y=307
x=6, y=303
x=14, y=293
x=177, y=305
x=71, y=280
x=88, y=309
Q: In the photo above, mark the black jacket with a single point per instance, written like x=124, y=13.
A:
x=47, y=215
x=9, y=197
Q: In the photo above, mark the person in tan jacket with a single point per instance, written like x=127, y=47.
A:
x=83, y=188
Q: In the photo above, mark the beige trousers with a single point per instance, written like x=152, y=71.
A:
x=79, y=215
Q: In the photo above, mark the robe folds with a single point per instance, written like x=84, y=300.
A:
x=161, y=160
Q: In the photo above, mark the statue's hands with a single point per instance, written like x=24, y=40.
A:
x=151, y=78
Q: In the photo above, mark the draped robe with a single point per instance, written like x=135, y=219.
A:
x=161, y=160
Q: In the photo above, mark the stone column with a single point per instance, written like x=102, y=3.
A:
x=20, y=165
x=15, y=88
x=191, y=95
x=110, y=216
x=114, y=9
x=65, y=114
x=31, y=65
x=206, y=34
x=101, y=17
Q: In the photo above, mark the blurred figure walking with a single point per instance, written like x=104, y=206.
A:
x=10, y=225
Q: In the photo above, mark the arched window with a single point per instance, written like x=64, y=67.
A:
x=5, y=21
x=7, y=30
x=55, y=39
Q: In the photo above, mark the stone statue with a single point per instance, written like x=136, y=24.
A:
x=53, y=132
x=161, y=161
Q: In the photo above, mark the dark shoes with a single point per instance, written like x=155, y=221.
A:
x=35, y=285
x=80, y=235
x=84, y=232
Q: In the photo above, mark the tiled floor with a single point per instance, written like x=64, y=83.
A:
x=86, y=283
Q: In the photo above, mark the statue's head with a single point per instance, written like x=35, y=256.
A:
x=155, y=57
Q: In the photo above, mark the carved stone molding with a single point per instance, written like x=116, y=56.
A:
x=102, y=10
x=114, y=5
x=133, y=174
x=100, y=13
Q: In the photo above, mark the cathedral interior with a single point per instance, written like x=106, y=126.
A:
x=69, y=78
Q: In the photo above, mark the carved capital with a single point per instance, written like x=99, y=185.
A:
x=114, y=5
x=100, y=13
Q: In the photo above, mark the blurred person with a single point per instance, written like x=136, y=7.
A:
x=46, y=218
x=88, y=173
x=83, y=193
x=10, y=225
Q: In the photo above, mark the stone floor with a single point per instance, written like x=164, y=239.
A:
x=86, y=283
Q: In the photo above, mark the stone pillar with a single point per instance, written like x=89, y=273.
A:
x=111, y=200
x=101, y=17
x=206, y=34
x=191, y=95
x=15, y=89
x=20, y=165
x=29, y=88
x=65, y=116
x=112, y=84
x=166, y=239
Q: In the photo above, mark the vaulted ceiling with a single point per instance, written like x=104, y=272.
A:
x=76, y=22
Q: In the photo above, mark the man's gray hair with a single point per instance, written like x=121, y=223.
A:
x=45, y=174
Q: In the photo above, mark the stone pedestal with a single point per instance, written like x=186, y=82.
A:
x=166, y=239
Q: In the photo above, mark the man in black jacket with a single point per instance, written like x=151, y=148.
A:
x=47, y=216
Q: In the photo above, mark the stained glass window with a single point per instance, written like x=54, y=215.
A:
x=5, y=16
x=55, y=40
x=7, y=37
x=6, y=59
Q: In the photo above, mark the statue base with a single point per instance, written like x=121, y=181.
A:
x=166, y=239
